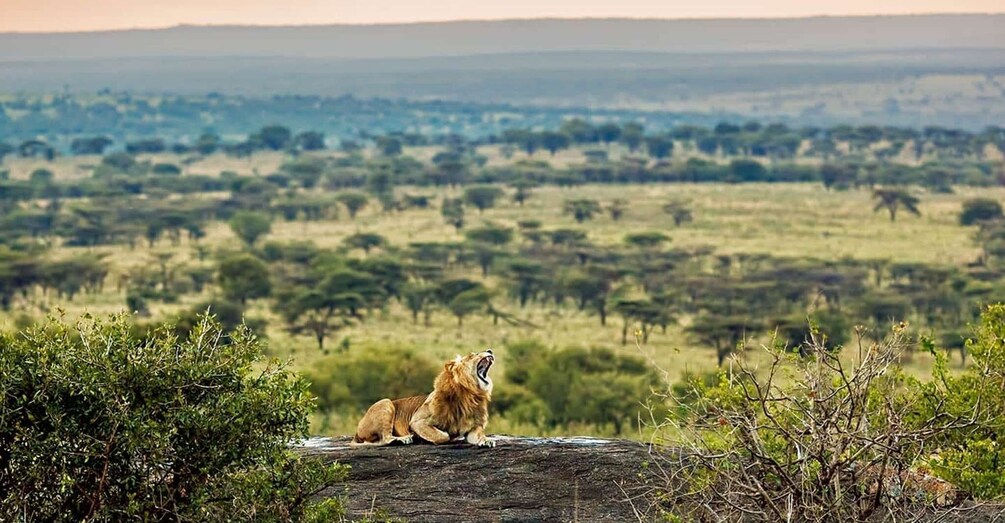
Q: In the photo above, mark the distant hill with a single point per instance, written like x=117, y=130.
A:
x=520, y=36
x=897, y=70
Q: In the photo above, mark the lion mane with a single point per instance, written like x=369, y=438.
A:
x=458, y=408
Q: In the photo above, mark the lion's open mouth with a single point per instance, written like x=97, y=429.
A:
x=483, y=368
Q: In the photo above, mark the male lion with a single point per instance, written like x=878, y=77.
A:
x=458, y=408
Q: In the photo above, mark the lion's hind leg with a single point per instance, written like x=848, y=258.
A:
x=376, y=426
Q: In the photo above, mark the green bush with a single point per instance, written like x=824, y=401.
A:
x=576, y=385
x=243, y=277
x=166, y=169
x=521, y=357
x=973, y=456
x=815, y=437
x=99, y=424
x=358, y=381
x=519, y=404
x=250, y=226
x=976, y=210
x=841, y=434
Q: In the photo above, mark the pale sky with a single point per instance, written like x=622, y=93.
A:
x=88, y=15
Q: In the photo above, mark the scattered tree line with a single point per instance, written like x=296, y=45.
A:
x=645, y=283
x=753, y=139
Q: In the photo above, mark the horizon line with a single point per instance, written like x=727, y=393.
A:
x=180, y=25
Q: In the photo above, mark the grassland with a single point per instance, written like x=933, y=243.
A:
x=787, y=220
x=792, y=220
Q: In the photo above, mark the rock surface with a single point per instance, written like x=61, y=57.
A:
x=521, y=479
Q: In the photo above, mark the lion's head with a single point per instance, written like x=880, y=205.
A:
x=469, y=372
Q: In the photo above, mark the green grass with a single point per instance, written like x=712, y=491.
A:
x=789, y=220
x=793, y=220
x=796, y=220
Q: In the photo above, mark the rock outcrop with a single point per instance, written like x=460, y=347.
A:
x=521, y=479
x=586, y=480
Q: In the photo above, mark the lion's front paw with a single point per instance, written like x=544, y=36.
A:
x=486, y=443
x=407, y=440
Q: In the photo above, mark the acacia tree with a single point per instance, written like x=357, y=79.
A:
x=353, y=201
x=645, y=312
x=36, y=148
x=273, y=137
x=659, y=147
x=68, y=277
x=482, y=196
x=484, y=243
x=90, y=145
x=976, y=210
x=647, y=240
x=679, y=212
x=207, y=143
x=5, y=149
x=250, y=226
x=525, y=139
x=450, y=168
x=723, y=333
x=579, y=131
x=608, y=133
x=452, y=210
x=526, y=279
x=581, y=210
x=314, y=312
x=462, y=297
x=389, y=146
x=881, y=309
x=524, y=189
x=893, y=199
x=243, y=277
x=837, y=176
x=334, y=303
x=420, y=297
x=827, y=328
x=567, y=237
x=490, y=234
x=18, y=272
x=632, y=136
x=617, y=208
x=365, y=241
x=590, y=288
x=310, y=141
x=468, y=302
x=554, y=141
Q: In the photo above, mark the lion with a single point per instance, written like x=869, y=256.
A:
x=458, y=408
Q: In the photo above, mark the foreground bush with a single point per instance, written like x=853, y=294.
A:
x=973, y=457
x=97, y=424
x=835, y=436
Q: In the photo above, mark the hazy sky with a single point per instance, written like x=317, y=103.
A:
x=83, y=15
